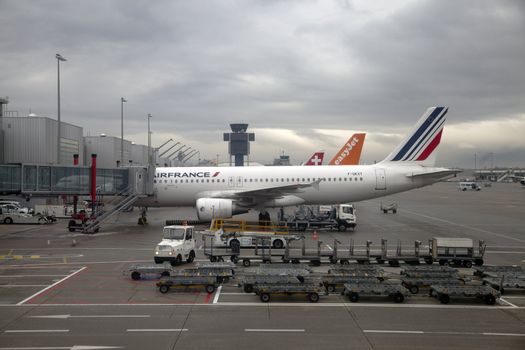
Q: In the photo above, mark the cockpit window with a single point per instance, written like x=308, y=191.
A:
x=173, y=233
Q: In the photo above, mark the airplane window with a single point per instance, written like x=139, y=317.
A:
x=271, y=180
x=355, y=178
x=154, y=181
x=266, y=180
x=340, y=179
x=361, y=179
x=165, y=181
x=212, y=180
x=251, y=180
x=287, y=180
x=282, y=180
x=192, y=181
x=208, y=180
x=186, y=180
x=345, y=178
x=293, y=179
x=223, y=180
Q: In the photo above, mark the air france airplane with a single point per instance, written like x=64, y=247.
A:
x=225, y=191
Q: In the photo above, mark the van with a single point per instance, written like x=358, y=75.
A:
x=469, y=185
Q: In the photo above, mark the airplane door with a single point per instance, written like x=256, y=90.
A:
x=231, y=181
x=239, y=181
x=380, y=179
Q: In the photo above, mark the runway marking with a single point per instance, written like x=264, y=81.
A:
x=37, y=331
x=507, y=302
x=51, y=286
x=158, y=330
x=465, y=226
x=217, y=294
x=272, y=330
x=443, y=333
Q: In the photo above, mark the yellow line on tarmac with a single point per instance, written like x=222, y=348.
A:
x=64, y=260
x=34, y=257
x=18, y=257
x=10, y=252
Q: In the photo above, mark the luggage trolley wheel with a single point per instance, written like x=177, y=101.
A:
x=313, y=297
x=265, y=297
x=489, y=299
x=414, y=289
x=444, y=298
x=330, y=288
x=135, y=275
x=399, y=298
x=213, y=259
x=246, y=262
x=210, y=288
x=467, y=263
x=353, y=296
x=164, y=289
x=248, y=288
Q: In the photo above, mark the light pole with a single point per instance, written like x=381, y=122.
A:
x=59, y=58
x=122, y=100
x=149, y=140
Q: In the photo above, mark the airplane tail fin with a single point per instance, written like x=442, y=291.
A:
x=315, y=159
x=420, y=146
x=350, y=153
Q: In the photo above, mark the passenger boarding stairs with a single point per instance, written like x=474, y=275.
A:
x=114, y=208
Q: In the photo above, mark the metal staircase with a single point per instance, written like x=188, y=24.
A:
x=94, y=225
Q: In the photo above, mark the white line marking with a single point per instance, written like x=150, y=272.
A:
x=37, y=331
x=465, y=226
x=386, y=331
x=217, y=294
x=505, y=334
x=507, y=302
x=158, y=330
x=273, y=330
x=51, y=286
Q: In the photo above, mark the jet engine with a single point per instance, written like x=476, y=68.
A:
x=210, y=208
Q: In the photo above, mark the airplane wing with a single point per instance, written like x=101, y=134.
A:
x=253, y=197
x=435, y=174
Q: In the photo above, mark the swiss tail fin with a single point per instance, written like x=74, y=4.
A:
x=350, y=153
x=420, y=146
x=315, y=159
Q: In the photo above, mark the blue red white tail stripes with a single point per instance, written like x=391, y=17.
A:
x=424, y=139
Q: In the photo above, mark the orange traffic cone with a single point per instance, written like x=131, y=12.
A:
x=314, y=235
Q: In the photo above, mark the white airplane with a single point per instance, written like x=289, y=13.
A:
x=220, y=192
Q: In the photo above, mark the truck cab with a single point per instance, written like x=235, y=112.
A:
x=177, y=245
x=469, y=185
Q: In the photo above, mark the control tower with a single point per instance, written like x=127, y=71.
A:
x=239, y=143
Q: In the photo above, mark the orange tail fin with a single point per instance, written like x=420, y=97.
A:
x=350, y=153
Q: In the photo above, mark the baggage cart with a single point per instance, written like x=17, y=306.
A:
x=372, y=287
x=184, y=282
x=139, y=271
x=483, y=271
x=444, y=292
x=312, y=291
x=250, y=282
x=504, y=282
x=414, y=284
x=335, y=283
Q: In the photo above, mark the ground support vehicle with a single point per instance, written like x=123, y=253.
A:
x=385, y=208
x=227, y=233
x=495, y=271
x=414, y=284
x=456, y=251
x=505, y=282
x=250, y=282
x=337, y=217
x=373, y=287
x=357, y=270
x=209, y=283
x=443, y=293
x=221, y=274
x=427, y=270
x=155, y=270
x=312, y=290
x=12, y=217
x=262, y=252
x=295, y=256
x=177, y=245
x=79, y=221
x=410, y=258
x=335, y=283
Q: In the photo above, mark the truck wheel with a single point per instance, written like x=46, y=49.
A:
x=490, y=299
x=8, y=221
x=313, y=297
x=191, y=257
x=467, y=264
x=278, y=244
x=248, y=288
x=246, y=262
x=394, y=211
x=385, y=211
x=399, y=298
x=265, y=297
x=157, y=260
x=135, y=275
x=444, y=298
x=341, y=228
x=414, y=289
x=210, y=288
x=42, y=221
x=353, y=296
x=164, y=289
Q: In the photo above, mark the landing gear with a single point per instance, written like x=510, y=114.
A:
x=143, y=220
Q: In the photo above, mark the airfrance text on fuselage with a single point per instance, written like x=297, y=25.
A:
x=186, y=174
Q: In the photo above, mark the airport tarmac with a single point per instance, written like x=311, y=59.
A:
x=61, y=290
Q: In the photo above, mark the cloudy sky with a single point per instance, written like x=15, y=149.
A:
x=304, y=74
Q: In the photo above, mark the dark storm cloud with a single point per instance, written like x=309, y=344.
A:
x=297, y=65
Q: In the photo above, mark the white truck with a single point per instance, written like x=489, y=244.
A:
x=177, y=245
x=229, y=232
x=340, y=217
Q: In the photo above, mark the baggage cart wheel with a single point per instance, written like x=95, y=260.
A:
x=164, y=289
x=265, y=297
x=442, y=262
x=248, y=288
x=399, y=298
x=444, y=298
x=333, y=261
x=313, y=297
x=210, y=288
x=295, y=261
x=414, y=289
x=353, y=296
x=234, y=259
x=344, y=262
x=489, y=299
x=478, y=262
x=220, y=259
x=191, y=257
x=467, y=264
x=330, y=288
x=165, y=274
x=213, y=259
x=316, y=262
x=246, y=262
x=157, y=260
x=286, y=261
x=429, y=261
x=135, y=275
x=380, y=261
x=385, y=211
x=502, y=291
